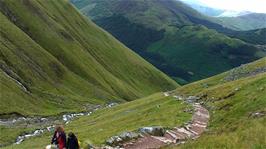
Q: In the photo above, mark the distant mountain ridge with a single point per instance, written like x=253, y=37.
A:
x=236, y=20
x=212, y=12
x=232, y=13
x=246, y=22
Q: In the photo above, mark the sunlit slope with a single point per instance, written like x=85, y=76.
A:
x=64, y=60
x=237, y=108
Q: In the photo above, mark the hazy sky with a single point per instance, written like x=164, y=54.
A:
x=237, y=5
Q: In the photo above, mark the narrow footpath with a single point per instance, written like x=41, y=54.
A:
x=177, y=135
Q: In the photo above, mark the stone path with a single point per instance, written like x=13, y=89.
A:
x=177, y=135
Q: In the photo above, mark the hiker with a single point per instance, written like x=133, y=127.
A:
x=59, y=137
x=72, y=141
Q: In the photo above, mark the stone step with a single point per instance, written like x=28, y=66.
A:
x=201, y=114
x=182, y=136
x=198, y=125
x=170, y=135
x=186, y=132
x=189, y=129
x=163, y=139
x=199, y=122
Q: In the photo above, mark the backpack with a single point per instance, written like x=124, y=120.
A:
x=72, y=141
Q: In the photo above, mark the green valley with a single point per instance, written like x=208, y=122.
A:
x=174, y=37
x=153, y=74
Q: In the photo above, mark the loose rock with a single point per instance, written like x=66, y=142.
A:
x=155, y=131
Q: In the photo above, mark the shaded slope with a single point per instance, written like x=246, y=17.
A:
x=65, y=60
x=162, y=31
x=257, y=36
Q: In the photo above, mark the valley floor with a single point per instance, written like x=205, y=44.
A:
x=155, y=110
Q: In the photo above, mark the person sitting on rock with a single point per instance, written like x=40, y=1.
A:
x=72, y=141
x=59, y=137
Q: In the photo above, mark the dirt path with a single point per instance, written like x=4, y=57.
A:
x=177, y=135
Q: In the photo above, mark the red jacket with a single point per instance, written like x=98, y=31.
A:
x=59, y=139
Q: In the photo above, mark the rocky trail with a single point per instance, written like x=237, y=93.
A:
x=177, y=135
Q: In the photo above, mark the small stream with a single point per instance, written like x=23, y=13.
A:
x=18, y=82
x=66, y=118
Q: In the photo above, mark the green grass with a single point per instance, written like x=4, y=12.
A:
x=66, y=61
x=231, y=124
x=9, y=134
x=154, y=110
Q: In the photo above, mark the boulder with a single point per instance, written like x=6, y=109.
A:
x=258, y=114
x=114, y=141
x=191, y=99
x=126, y=136
x=155, y=130
x=120, y=139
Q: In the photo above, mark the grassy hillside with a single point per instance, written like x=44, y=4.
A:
x=202, y=59
x=54, y=60
x=173, y=36
x=233, y=99
x=237, y=110
x=153, y=110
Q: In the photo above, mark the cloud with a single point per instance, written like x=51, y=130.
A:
x=237, y=5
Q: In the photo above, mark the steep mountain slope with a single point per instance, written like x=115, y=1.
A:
x=257, y=36
x=235, y=99
x=171, y=35
x=244, y=22
x=55, y=60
